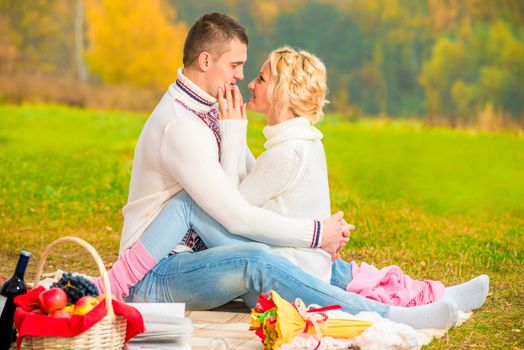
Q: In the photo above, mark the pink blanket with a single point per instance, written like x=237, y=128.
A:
x=391, y=286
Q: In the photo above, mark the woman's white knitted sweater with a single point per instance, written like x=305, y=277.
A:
x=289, y=178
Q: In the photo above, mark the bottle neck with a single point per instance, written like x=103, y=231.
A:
x=22, y=264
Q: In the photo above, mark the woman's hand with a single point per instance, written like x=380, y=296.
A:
x=232, y=107
x=335, y=235
x=346, y=234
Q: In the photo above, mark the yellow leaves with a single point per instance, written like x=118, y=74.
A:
x=265, y=12
x=504, y=47
x=391, y=10
x=134, y=42
x=447, y=60
x=395, y=20
x=369, y=14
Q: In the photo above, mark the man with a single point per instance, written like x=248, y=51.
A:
x=179, y=149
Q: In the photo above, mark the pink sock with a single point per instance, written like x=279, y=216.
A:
x=130, y=268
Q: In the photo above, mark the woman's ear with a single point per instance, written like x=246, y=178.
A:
x=204, y=61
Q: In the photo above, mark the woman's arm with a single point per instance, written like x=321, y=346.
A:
x=250, y=160
x=274, y=171
x=232, y=149
x=270, y=175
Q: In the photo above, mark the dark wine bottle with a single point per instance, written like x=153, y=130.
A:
x=10, y=289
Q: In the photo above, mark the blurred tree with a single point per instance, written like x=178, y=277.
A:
x=400, y=38
x=482, y=66
x=9, y=45
x=137, y=43
x=265, y=13
x=450, y=17
x=34, y=36
x=79, y=40
x=328, y=33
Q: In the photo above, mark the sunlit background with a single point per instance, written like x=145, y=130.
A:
x=460, y=63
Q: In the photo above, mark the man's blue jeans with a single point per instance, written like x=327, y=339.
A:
x=232, y=267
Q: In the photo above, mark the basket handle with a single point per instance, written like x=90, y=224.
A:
x=94, y=254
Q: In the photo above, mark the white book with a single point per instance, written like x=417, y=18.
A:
x=151, y=312
x=164, y=322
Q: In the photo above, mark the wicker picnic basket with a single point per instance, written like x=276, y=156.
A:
x=108, y=333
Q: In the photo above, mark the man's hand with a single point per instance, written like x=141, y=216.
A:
x=335, y=234
x=232, y=107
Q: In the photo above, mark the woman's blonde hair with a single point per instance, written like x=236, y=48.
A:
x=298, y=83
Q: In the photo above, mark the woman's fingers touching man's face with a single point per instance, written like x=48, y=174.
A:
x=230, y=103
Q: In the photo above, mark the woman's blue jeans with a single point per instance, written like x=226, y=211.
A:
x=232, y=267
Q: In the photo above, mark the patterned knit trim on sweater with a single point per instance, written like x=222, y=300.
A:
x=316, y=234
x=191, y=95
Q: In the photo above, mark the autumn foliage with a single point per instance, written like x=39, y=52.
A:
x=134, y=42
x=457, y=62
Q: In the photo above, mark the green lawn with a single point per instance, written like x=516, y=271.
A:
x=442, y=204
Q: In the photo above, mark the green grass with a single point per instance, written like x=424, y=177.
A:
x=442, y=204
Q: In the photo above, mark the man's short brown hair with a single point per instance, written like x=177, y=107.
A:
x=212, y=33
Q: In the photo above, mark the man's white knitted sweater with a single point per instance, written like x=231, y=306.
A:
x=289, y=178
x=177, y=150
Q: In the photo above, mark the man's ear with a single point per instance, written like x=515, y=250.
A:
x=204, y=61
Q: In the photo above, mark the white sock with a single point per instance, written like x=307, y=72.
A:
x=440, y=315
x=470, y=295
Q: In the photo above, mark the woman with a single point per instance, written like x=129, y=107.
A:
x=290, y=178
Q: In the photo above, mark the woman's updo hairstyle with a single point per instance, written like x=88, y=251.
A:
x=298, y=83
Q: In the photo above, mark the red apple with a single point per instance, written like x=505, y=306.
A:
x=85, y=304
x=61, y=314
x=52, y=299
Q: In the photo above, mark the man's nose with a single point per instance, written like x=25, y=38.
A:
x=239, y=75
